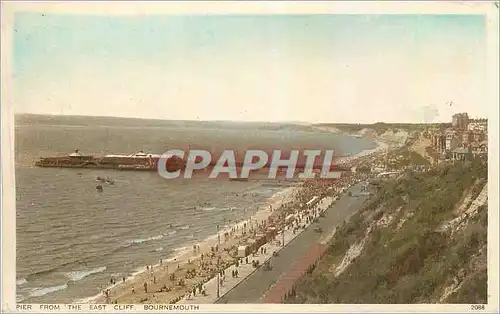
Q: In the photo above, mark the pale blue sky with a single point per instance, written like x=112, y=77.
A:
x=313, y=68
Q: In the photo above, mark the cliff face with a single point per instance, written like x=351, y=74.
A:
x=422, y=239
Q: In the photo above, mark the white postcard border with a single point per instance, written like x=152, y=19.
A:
x=490, y=9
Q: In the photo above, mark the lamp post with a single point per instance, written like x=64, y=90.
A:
x=283, y=232
x=218, y=263
x=218, y=278
x=284, y=223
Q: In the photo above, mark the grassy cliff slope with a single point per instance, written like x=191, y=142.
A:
x=422, y=239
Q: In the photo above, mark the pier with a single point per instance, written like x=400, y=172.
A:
x=148, y=162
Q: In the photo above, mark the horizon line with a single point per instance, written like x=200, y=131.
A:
x=296, y=122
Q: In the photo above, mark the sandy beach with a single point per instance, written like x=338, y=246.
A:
x=132, y=289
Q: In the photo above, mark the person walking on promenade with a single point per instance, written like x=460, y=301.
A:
x=145, y=287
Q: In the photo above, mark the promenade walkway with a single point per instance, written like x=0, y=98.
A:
x=299, y=269
x=256, y=285
x=254, y=288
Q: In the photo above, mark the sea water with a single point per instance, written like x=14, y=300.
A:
x=71, y=239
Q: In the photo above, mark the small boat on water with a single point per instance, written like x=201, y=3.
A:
x=99, y=179
x=99, y=188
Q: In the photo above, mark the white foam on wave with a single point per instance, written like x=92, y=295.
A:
x=80, y=274
x=137, y=272
x=186, y=227
x=139, y=241
x=208, y=209
x=181, y=249
x=157, y=237
x=38, y=292
x=21, y=281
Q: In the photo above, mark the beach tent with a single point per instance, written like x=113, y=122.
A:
x=243, y=251
x=312, y=201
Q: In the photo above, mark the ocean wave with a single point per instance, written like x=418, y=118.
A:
x=181, y=249
x=208, y=209
x=186, y=227
x=80, y=274
x=139, y=241
x=37, y=274
x=21, y=281
x=20, y=298
x=172, y=232
x=178, y=252
x=38, y=292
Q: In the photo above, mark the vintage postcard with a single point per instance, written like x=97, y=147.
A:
x=250, y=156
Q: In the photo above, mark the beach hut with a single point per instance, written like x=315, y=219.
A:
x=243, y=251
